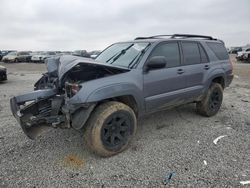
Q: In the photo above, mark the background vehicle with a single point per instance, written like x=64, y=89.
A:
x=10, y=57
x=81, y=53
x=5, y=52
x=127, y=80
x=41, y=56
x=3, y=73
x=17, y=57
x=234, y=50
x=243, y=55
x=94, y=54
x=65, y=53
x=23, y=57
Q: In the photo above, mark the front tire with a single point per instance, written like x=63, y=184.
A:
x=211, y=103
x=110, y=128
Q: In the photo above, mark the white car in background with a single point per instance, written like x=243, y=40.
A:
x=40, y=57
x=244, y=54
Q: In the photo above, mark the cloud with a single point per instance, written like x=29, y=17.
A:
x=78, y=24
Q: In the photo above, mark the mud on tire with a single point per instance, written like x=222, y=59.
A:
x=110, y=128
x=211, y=103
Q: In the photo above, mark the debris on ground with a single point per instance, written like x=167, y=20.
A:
x=218, y=138
x=205, y=162
x=244, y=182
x=168, y=177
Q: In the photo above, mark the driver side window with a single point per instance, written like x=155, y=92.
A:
x=170, y=51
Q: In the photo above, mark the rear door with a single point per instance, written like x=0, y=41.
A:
x=196, y=64
x=164, y=87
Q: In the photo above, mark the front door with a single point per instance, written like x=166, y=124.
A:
x=164, y=87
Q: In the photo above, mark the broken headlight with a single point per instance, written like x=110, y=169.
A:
x=72, y=88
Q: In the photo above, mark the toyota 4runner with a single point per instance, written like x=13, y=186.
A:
x=104, y=97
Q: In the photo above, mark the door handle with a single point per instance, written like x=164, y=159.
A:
x=180, y=71
x=206, y=67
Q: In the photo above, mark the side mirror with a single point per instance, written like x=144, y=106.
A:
x=156, y=62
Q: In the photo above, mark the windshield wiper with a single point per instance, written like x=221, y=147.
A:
x=119, y=54
x=137, y=57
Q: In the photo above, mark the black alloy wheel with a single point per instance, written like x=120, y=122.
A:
x=116, y=130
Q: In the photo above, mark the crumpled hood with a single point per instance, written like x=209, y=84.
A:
x=64, y=63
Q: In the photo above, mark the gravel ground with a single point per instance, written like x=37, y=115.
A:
x=176, y=141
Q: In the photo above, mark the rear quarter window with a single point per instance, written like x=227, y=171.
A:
x=191, y=53
x=219, y=50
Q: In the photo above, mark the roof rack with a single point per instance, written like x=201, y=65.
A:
x=177, y=36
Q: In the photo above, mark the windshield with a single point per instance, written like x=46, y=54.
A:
x=12, y=53
x=122, y=54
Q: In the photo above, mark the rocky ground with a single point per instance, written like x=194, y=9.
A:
x=177, y=143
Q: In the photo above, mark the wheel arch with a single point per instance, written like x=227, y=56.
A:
x=220, y=80
x=81, y=116
x=217, y=76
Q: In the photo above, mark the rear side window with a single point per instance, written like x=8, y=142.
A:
x=191, y=53
x=219, y=50
x=170, y=51
x=204, y=58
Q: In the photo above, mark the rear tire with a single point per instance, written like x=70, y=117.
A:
x=110, y=129
x=211, y=103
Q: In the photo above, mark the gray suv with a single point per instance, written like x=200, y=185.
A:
x=104, y=97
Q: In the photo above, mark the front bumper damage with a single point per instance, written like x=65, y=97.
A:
x=40, y=110
x=37, y=111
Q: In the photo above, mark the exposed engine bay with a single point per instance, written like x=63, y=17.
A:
x=79, y=73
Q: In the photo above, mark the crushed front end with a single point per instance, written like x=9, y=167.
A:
x=49, y=104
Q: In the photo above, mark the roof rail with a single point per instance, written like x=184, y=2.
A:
x=177, y=36
x=192, y=36
x=152, y=37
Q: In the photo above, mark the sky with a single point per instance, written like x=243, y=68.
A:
x=95, y=24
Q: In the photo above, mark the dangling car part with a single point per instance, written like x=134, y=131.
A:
x=3, y=73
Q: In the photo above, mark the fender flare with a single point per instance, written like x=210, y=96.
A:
x=212, y=76
x=117, y=90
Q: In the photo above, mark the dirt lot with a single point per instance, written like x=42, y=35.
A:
x=176, y=141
